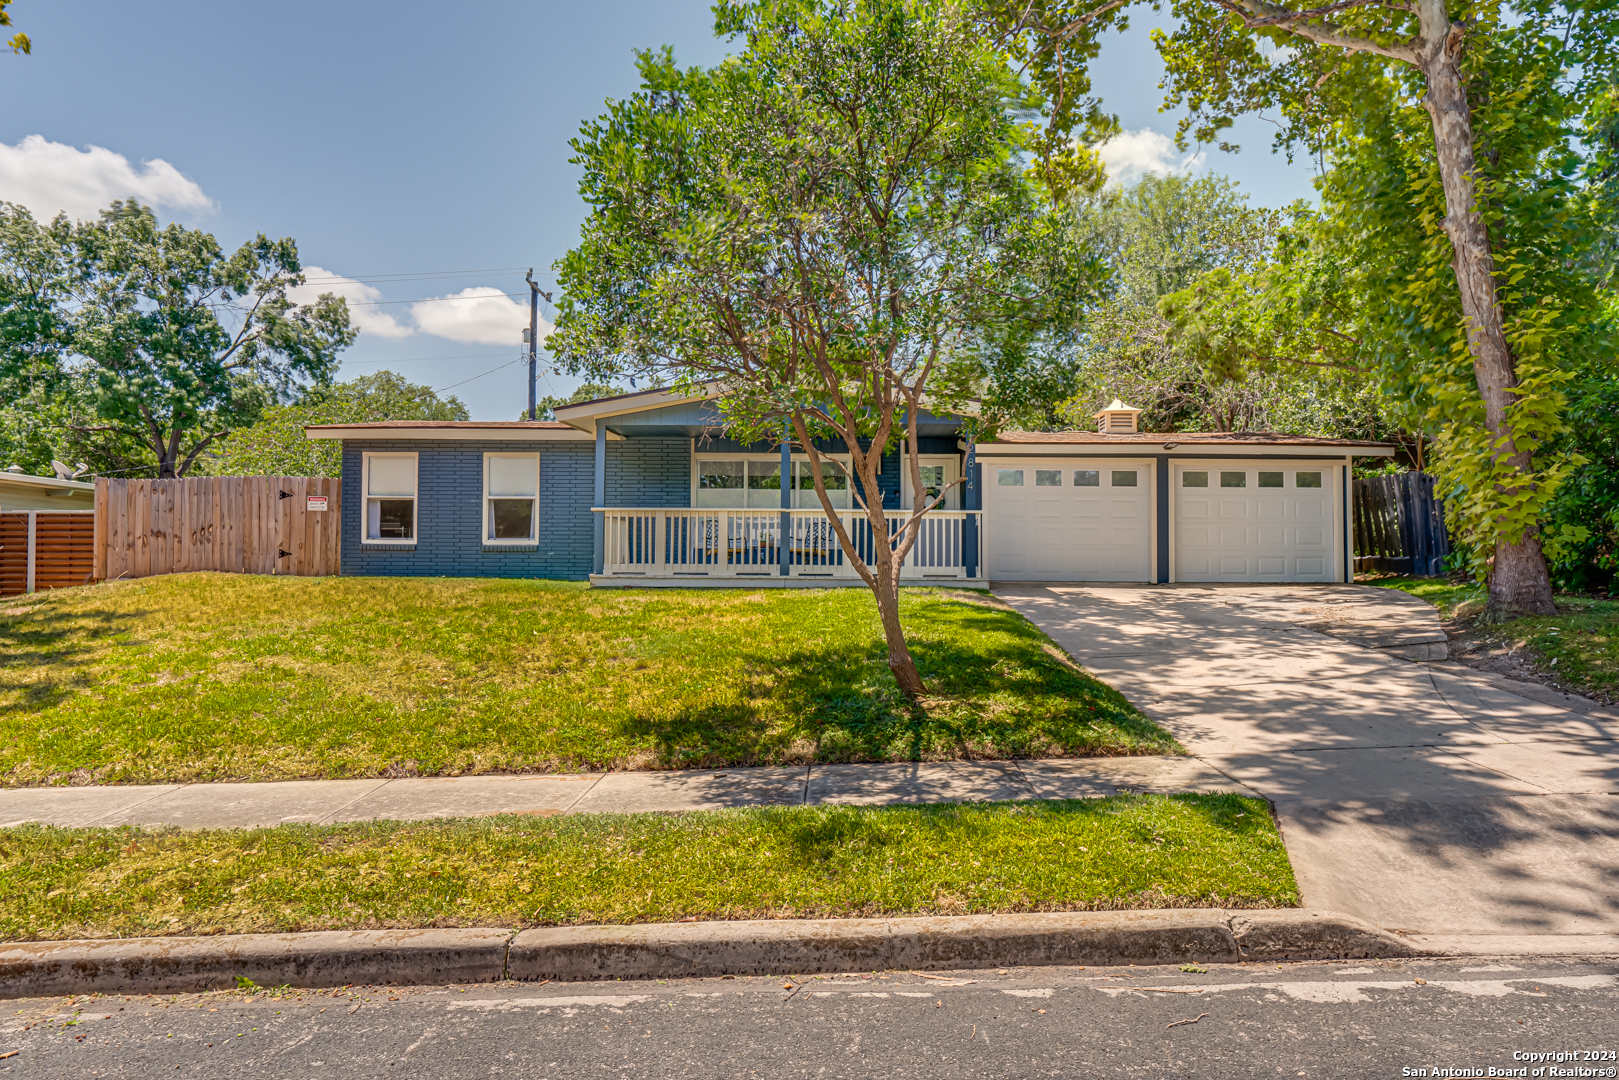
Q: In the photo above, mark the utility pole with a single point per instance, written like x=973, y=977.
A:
x=532, y=336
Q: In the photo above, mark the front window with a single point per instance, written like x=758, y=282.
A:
x=390, y=498
x=754, y=483
x=833, y=479
x=511, y=497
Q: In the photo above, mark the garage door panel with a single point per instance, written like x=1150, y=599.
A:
x=1267, y=533
x=1051, y=529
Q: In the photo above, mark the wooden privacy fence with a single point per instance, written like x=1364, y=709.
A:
x=1400, y=526
x=233, y=524
x=45, y=550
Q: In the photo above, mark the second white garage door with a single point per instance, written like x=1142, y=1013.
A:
x=1248, y=523
x=1064, y=520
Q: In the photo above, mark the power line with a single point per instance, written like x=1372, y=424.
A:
x=491, y=371
x=431, y=299
x=421, y=275
x=423, y=359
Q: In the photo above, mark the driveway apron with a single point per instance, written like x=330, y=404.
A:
x=1417, y=795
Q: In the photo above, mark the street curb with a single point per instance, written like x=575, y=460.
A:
x=760, y=947
x=665, y=950
x=323, y=958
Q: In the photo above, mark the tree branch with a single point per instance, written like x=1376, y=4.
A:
x=1258, y=14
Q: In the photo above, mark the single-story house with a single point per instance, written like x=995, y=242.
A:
x=646, y=489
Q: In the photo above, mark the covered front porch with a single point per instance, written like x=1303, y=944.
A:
x=749, y=513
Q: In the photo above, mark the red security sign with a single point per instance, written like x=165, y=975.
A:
x=317, y=502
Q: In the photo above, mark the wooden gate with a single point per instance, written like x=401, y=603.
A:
x=1400, y=525
x=45, y=550
x=231, y=524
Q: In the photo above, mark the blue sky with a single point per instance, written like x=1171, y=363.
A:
x=414, y=151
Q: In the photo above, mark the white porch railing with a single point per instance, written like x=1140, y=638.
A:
x=754, y=543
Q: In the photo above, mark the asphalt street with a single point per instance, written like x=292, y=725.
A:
x=1367, y=1019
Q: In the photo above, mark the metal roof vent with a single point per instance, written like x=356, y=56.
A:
x=1118, y=419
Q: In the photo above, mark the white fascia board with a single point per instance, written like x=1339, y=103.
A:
x=1200, y=450
x=459, y=434
x=29, y=482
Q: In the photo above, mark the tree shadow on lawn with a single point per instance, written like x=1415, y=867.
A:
x=41, y=641
x=1003, y=696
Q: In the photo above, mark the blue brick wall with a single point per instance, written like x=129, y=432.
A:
x=449, y=514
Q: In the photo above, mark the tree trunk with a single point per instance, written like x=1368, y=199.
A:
x=1519, y=582
x=900, y=661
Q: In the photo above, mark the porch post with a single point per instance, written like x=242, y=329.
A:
x=972, y=501
x=599, y=535
x=784, y=537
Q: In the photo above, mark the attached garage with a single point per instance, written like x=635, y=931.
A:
x=1268, y=521
x=1112, y=506
x=1069, y=520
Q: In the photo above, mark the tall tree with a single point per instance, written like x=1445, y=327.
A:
x=1503, y=91
x=835, y=229
x=186, y=343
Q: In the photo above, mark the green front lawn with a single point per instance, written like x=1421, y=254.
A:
x=212, y=677
x=1577, y=649
x=1127, y=851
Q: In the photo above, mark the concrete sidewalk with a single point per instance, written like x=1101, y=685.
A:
x=200, y=806
x=1422, y=797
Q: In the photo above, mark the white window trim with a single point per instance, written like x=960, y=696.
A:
x=365, y=499
x=488, y=512
x=952, y=462
x=699, y=456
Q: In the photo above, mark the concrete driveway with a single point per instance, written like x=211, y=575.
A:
x=1416, y=794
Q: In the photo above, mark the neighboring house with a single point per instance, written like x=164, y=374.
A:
x=645, y=489
x=20, y=491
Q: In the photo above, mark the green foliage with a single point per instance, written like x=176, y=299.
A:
x=137, y=347
x=590, y=391
x=19, y=42
x=276, y=444
x=187, y=343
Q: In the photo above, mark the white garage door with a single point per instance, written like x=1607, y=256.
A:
x=1068, y=521
x=1265, y=523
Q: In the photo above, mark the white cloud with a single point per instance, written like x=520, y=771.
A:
x=364, y=313
x=481, y=315
x=1133, y=154
x=50, y=177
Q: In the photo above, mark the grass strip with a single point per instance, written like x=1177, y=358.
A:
x=199, y=677
x=1577, y=649
x=1125, y=851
